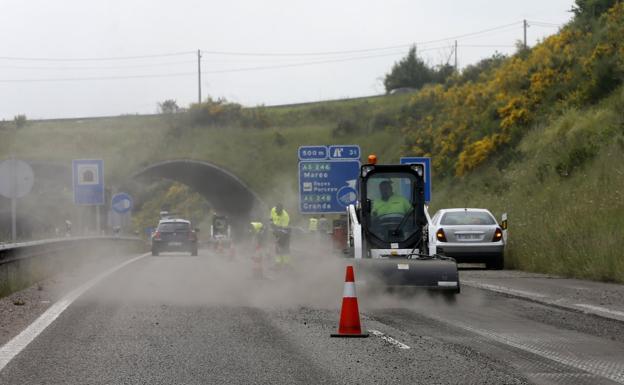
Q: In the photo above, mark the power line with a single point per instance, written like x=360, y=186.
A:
x=97, y=58
x=165, y=64
x=324, y=53
x=242, y=69
x=545, y=23
x=472, y=34
x=97, y=78
x=285, y=54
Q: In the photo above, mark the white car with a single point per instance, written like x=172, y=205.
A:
x=468, y=235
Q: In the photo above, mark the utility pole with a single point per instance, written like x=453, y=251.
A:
x=456, y=67
x=525, y=25
x=13, y=199
x=199, y=99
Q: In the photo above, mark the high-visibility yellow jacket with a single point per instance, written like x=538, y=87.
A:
x=313, y=225
x=257, y=227
x=396, y=204
x=280, y=220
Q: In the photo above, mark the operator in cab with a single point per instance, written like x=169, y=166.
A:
x=389, y=203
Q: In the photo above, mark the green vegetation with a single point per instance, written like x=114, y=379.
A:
x=174, y=198
x=539, y=135
x=413, y=72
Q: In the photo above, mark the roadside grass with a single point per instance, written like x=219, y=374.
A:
x=570, y=221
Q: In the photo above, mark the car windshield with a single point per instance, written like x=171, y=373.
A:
x=462, y=218
x=391, y=218
x=173, y=226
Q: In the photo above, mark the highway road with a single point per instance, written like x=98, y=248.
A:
x=176, y=319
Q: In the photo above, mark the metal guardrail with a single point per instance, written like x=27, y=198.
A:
x=11, y=252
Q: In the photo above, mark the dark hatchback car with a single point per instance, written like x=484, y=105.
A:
x=174, y=235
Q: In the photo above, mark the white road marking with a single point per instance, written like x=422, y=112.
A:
x=600, y=309
x=602, y=368
x=389, y=339
x=12, y=348
x=502, y=289
x=546, y=300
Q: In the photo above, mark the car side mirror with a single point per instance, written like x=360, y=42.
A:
x=197, y=229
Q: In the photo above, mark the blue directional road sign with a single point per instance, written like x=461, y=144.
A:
x=344, y=152
x=88, y=181
x=121, y=203
x=327, y=186
x=426, y=163
x=312, y=152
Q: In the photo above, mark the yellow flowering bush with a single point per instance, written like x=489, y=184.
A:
x=462, y=124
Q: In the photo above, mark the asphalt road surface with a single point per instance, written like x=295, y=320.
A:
x=176, y=319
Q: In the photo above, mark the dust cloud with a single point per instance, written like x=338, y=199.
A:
x=223, y=278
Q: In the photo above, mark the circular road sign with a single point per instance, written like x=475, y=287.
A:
x=121, y=203
x=347, y=196
x=16, y=178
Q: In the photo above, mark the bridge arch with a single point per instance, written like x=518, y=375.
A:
x=226, y=192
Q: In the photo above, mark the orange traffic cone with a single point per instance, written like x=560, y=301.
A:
x=349, y=314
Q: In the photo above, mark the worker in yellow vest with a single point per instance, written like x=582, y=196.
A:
x=279, y=224
x=313, y=225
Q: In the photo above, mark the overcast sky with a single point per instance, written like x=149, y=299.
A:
x=346, y=41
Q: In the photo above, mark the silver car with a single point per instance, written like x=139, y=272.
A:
x=469, y=236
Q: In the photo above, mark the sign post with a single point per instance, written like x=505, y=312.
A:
x=426, y=163
x=16, y=181
x=328, y=178
x=121, y=203
x=88, y=181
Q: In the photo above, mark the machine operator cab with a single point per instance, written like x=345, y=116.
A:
x=392, y=208
x=388, y=231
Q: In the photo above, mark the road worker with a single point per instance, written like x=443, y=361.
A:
x=279, y=224
x=256, y=230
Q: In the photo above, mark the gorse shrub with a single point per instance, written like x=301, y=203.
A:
x=494, y=103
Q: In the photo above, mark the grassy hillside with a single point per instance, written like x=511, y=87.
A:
x=539, y=135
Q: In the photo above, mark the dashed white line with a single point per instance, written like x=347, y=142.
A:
x=389, y=339
x=12, y=348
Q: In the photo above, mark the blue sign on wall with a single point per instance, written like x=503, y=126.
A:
x=88, y=181
x=327, y=186
x=426, y=163
x=312, y=152
x=121, y=203
x=344, y=152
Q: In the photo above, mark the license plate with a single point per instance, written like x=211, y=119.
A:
x=467, y=237
x=175, y=243
x=402, y=266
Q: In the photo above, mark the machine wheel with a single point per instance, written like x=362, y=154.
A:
x=155, y=252
x=498, y=263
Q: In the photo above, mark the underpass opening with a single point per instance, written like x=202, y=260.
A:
x=226, y=193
